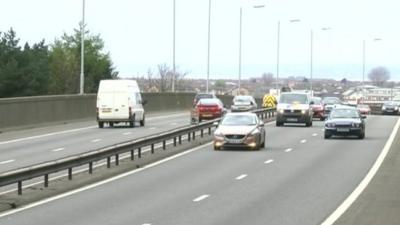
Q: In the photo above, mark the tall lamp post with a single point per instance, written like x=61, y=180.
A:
x=173, y=47
x=208, y=45
x=82, y=76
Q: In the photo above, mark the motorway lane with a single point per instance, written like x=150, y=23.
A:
x=20, y=150
x=277, y=186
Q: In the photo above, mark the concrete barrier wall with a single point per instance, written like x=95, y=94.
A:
x=34, y=111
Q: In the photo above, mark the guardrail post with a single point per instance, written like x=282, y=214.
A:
x=194, y=135
x=19, y=187
x=46, y=180
x=209, y=131
x=201, y=133
x=174, y=141
x=163, y=145
x=133, y=154
x=189, y=136
x=90, y=167
x=152, y=148
x=69, y=173
x=140, y=152
x=180, y=139
x=108, y=162
x=116, y=159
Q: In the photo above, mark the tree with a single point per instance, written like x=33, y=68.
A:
x=379, y=75
x=163, y=80
x=65, y=63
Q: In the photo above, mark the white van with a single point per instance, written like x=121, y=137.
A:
x=119, y=101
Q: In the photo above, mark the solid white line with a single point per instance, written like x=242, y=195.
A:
x=152, y=128
x=58, y=149
x=127, y=133
x=314, y=134
x=103, y=182
x=364, y=183
x=289, y=150
x=269, y=161
x=241, y=177
x=146, y=224
x=8, y=161
x=201, y=198
x=95, y=140
x=78, y=129
x=303, y=141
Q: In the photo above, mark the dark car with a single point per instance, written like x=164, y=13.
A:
x=318, y=108
x=199, y=96
x=345, y=121
x=330, y=103
x=391, y=107
x=207, y=109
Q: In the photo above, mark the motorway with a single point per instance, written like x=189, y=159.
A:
x=28, y=147
x=299, y=178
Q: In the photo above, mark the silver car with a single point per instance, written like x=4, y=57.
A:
x=244, y=130
x=243, y=103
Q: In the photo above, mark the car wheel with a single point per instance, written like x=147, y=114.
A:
x=132, y=122
x=361, y=135
x=278, y=123
x=263, y=144
x=199, y=119
x=327, y=135
x=101, y=124
x=216, y=148
x=322, y=118
x=142, y=121
x=111, y=124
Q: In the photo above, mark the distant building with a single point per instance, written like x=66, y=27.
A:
x=372, y=94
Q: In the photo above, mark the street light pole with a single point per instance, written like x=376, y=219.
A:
x=82, y=76
x=208, y=44
x=240, y=50
x=311, y=61
x=173, y=48
x=277, y=56
x=363, y=72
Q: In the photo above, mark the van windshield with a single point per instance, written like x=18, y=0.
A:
x=293, y=98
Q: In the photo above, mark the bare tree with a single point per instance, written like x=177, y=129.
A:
x=162, y=82
x=379, y=75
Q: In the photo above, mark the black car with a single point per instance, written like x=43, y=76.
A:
x=329, y=103
x=345, y=121
x=392, y=107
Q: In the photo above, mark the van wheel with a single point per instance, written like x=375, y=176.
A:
x=101, y=124
x=142, y=121
x=111, y=124
x=132, y=122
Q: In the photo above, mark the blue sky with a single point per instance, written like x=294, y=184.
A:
x=138, y=34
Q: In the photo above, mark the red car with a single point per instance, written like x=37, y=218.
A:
x=318, y=108
x=207, y=109
x=364, y=109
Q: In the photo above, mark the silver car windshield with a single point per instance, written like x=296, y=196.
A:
x=344, y=113
x=239, y=120
x=293, y=98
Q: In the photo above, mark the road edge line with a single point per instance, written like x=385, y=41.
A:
x=332, y=218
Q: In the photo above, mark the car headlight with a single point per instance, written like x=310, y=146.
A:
x=356, y=124
x=255, y=131
x=396, y=108
x=218, y=134
x=330, y=125
x=303, y=111
x=383, y=107
x=280, y=110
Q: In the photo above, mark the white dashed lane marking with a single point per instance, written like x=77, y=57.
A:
x=152, y=128
x=7, y=161
x=269, y=161
x=198, y=199
x=127, y=133
x=289, y=150
x=241, y=177
x=303, y=141
x=58, y=149
x=96, y=140
x=314, y=134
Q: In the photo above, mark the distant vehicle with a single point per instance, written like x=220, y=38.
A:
x=329, y=103
x=294, y=108
x=364, y=109
x=318, y=108
x=243, y=130
x=199, y=96
x=345, y=121
x=243, y=103
x=119, y=101
x=391, y=107
x=207, y=109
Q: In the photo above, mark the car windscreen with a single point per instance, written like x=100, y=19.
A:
x=201, y=96
x=316, y=100
x=242, y=99
x=208, y=101
x=331, y=101
x=344, y=113
x=293, y=99
x=363, y=106
x=239, y=120
x=391, y=103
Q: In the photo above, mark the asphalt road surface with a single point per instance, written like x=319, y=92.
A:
x=299, y=178
x=28, y=147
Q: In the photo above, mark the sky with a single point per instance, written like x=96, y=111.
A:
x=138, y=34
